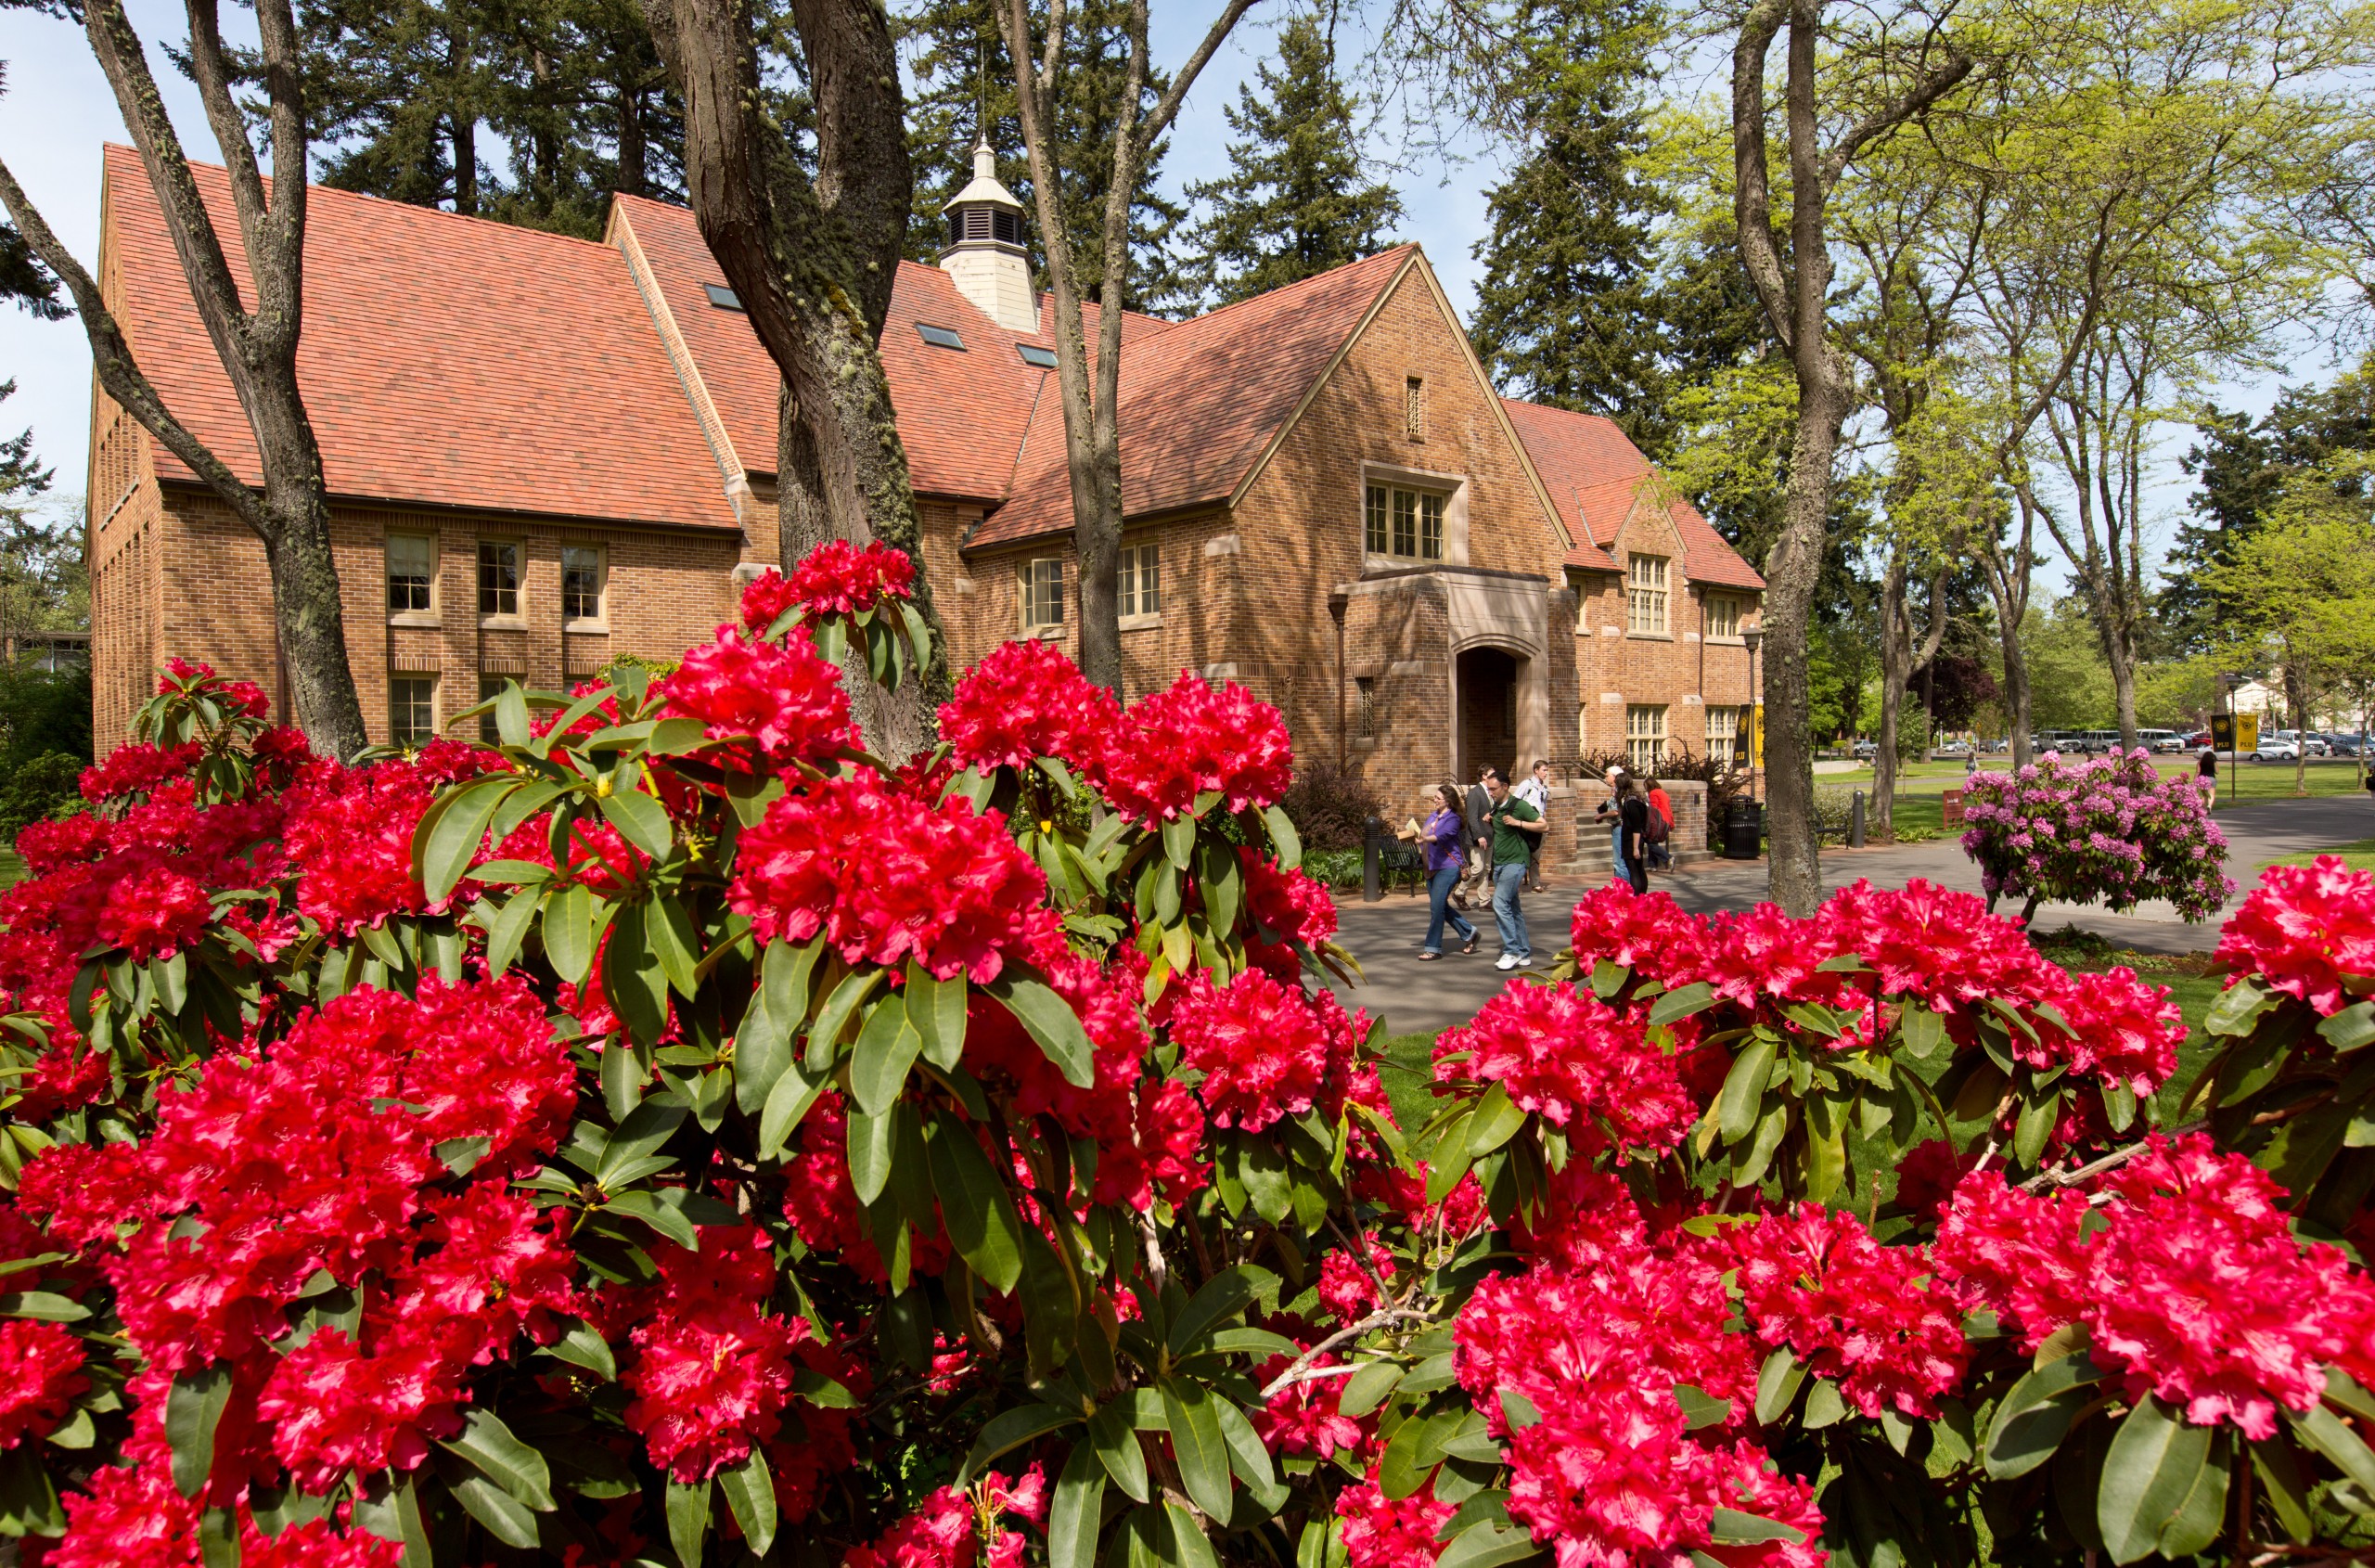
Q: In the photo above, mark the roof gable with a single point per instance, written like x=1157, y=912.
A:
x=413, y=316
x=1596, y=477
x=1201, y=400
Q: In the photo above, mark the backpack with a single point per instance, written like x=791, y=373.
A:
x=1655, y=832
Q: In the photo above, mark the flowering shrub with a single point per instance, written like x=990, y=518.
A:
x=672, y=1134
x=2111, y=829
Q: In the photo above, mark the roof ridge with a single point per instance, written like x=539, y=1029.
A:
x=314, y=188
x=1285, y=289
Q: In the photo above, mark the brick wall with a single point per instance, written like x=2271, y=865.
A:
x=1683, y=670
x=184, y=577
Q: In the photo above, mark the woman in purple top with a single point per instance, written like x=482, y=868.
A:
x=1441, y=834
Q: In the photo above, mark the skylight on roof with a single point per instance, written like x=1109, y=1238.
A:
x=721, y=296
x=1034, y=355
x=939, y=336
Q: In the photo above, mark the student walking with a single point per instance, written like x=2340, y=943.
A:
x=1478, y=882
x=1514, y=825
x=1442, y=835
x=1606, y=812
x=2206, y=771
x=1535, y=790
x=1632, y=812
x=1660, y=835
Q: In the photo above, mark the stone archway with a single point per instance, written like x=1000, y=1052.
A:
x=1488, y=682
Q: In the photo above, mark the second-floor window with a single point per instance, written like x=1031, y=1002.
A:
x=1645, y=735
x=1409, y=524
x=412, y=562
x=412, y=709
x=1042, y=584
x=1645, y=595
x=1722, y=616
x=499, y=577
x=1141, y=580
x=581, y=582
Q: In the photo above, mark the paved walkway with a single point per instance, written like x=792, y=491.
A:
x=1415, y=997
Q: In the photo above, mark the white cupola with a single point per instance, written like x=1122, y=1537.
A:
x=984, y=254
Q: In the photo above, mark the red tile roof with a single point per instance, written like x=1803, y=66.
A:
x=1201, y=399
x=446, y=361
x=961, y=415
x=1596, y=475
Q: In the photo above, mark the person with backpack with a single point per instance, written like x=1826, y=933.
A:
x=1634, y=814
x=1659, y=830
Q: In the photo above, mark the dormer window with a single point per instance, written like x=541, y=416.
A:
x=722, y=297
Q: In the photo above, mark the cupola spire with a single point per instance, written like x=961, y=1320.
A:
x=984, y=253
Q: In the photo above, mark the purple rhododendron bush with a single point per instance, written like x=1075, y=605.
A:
x=2112, y=831
x=672, y=1136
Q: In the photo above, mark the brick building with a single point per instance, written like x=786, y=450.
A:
x=546, y=453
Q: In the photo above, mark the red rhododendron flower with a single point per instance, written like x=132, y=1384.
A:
x=127, y=1518
x=1860, y=1314
x=136, y=767
x=1576, y=1062
x=350, y=834
x=839, y=578
x=2309, y=931
x=782, y=694
x=1348, y=1290
x=887, y=878
x=155, y=914
x=1380, y=1533
x=336, y=1409
x=1302, y=1418
x=1189, y=738
x=1025, y=701
x=1259, y=1045
x=1293, y=907
x=41, y=1374
x=938, y=1535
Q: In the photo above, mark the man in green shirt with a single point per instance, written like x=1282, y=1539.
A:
x=1515, y=828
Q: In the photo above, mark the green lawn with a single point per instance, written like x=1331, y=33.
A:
x=2250, y=780
x=2358, y=856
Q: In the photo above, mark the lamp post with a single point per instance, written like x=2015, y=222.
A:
x=1753, y=636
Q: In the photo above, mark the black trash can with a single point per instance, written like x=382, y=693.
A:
x=1743, y=828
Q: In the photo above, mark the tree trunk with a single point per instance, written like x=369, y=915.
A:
x=257, y=347
x=812, y=261
x=466, y=163
x=634, y=156
x=1896, y=674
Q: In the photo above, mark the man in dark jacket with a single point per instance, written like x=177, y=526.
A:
x=1479, y=880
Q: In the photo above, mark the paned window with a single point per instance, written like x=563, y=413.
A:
x=1723, y=727
x=1414, y=407
x=1645, y=735
x=1141, y=580
x=1409, y=524
x=412, y=709
x=1722, y=616
x=1365, y=706
x=412, y=563
x=1645, y=599
x=498, y=578
x=581, y=582
x=1042, y=584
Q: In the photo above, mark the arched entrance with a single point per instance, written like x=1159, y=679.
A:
x=1488, y=710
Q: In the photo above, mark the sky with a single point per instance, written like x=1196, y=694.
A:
x=58, y=112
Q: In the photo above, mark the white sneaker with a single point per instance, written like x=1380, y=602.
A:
x=1524, y=963
x=1505, y=961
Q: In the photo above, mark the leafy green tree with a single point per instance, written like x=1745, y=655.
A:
x=1571, y=309
x=1295, y=203
x=964, y=80
x=2298, y=589
x=2240, y=468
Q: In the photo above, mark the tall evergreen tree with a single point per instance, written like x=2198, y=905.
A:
x=529, y=111
x=1568, y=310
x=1295, y=204
x=964, y=80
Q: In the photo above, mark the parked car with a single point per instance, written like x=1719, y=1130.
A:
x=2311, y=742
x=2196, y=741
x=1864, y=750
x=2275, y=749
x=1952, y=749
x=2348, y=745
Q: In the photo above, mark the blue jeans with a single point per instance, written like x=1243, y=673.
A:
x=1616, y=851
x=1506, y=881
x=1439, y=886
